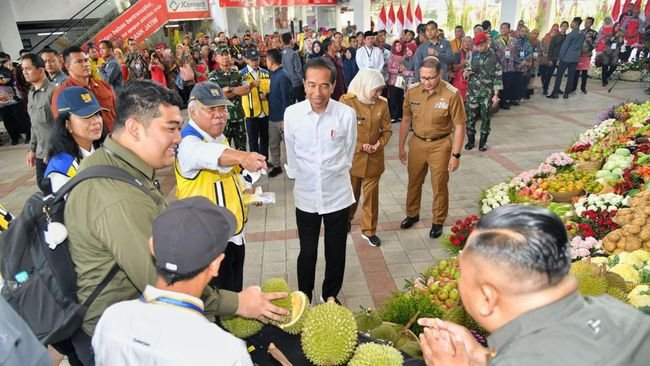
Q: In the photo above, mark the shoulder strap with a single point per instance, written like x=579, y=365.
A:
x=102, y=285
x=99, y=171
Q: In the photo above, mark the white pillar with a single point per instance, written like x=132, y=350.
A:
x=9, y=36
x=218, y=15
x=510, y=10
x=361, y=14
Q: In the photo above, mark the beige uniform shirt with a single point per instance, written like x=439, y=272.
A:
x=434, y=114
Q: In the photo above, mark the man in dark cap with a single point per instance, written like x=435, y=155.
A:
x=227, y=76
x=255, y=103
x=369, y=56
x=188, y=244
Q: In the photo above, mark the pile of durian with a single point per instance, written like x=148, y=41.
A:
x=635, y=227
x=594, y=279
x=328, y=332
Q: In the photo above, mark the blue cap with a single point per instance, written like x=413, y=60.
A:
x=78, y=101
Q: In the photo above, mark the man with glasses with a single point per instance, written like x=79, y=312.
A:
x=434, y=110
x=207, y=166
x=76, y=62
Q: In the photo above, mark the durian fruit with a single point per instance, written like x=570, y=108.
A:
x=329, y=334
x=615, y=281
x=412, y=348
x=278, y=285
x=455, y=315
x=299, y=307
x=591, y=285
x=372, y=354
x=384, y=332
x=617, y=294
x=241, y=327
x=367, y=319
x=580, y=267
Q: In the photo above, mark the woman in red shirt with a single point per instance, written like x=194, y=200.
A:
x=157, y=70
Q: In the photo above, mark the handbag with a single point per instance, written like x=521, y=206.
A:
x=400, y=82
x=535, y=83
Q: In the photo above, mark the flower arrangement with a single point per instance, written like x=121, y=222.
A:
x=560, y=161
x=455, y=241
x=499, y=195
x=600, y=202
x=545, y=169
x=595, y=224
x=585, y=247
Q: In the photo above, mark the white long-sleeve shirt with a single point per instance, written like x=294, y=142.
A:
x=320, y=149
x=370, y=58
x=153, y=332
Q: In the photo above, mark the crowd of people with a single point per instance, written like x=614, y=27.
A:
x=329, y=97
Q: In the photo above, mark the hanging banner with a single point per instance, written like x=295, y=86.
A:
x=259, y=3
x=140, y=21
x=188, y=9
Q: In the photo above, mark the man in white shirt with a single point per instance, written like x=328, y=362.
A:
x=369, y=56
x=320, y=136
x=166, y=326
x=207, y=166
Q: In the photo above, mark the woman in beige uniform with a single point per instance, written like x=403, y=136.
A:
x=373, y=133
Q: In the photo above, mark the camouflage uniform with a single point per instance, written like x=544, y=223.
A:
x=235, y=130
x=483, y=84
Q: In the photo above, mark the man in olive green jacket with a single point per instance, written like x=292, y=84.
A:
x=110, y=222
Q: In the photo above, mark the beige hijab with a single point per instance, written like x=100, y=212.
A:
x=364, y=83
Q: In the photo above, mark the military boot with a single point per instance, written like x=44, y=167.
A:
x=471, y=141
x=482, y=143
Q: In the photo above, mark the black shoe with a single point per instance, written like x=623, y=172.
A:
x=606, y=82
x=504, y=106
x=514, y=102
x=552, y=96
x=470, y=144
x=14, y=143
x=565, y=96
x=560, y=92
x=436, y=231
x=409, y=221
x=545, y=91
x=372, y=240
x=276, y=170
x=482, y=144
x=583, y=91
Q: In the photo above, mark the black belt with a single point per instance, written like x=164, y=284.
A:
x=431, y=139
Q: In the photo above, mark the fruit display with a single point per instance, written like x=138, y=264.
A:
x=612, y=171
x=594, y=280
x=563, y=182
x=367, y=319
x=635, y=231
x=372, y=354
x=329, y=334
x=639, y=297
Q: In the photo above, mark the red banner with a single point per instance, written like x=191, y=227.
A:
x=138, y=22
x=258, y=3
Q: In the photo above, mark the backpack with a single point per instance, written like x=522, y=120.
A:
x=40, y=282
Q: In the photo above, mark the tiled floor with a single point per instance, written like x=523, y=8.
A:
x=520, y=139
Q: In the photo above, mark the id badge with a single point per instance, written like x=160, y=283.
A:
x=507, y=54
x=522, y=54
x=535, y=54
x=613, y=46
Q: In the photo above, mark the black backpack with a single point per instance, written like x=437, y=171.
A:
x=41, y=283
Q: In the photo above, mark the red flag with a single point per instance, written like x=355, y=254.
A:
x=418, y=15
x=400, y=19
x=646, y=11
x=637, y=5
x=391, y=19
x=616, y=10
x=382, y=18
x=409, y=17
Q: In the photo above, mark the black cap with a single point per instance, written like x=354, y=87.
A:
x=252, y=53
x=191, y=233
x=370, y=34
x=223, y=48
x=209, y=94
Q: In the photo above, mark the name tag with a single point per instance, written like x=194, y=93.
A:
x=613, y=46
x=522, y=54
x=507, y=54
x=360, y=119
x=535, y=54
x=441, y=105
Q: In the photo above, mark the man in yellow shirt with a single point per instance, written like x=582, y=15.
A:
x=95, y=61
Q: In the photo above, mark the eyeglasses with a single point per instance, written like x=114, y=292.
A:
x=215, y=109
x=429, y=79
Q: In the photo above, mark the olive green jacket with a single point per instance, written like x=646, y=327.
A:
x=110, y=222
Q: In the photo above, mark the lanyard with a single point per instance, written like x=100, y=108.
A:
x=368, y=53
x=174, y=302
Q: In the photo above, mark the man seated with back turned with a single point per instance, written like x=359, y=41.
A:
x=188, y=244
x=515, y=282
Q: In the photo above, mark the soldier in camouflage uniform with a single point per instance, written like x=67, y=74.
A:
x=231, y=81
x=484, y=74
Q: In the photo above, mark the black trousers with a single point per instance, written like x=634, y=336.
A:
x=395, y=101
x=16, y=121
x=299, y=93
x=83, y=349
x=336, y=231
x=258, y=135
x=231, y=272
x=607, y=71
x=570, y=68
x=547, y=74
x=581, y=74
x=513, y=85
x=40, y=170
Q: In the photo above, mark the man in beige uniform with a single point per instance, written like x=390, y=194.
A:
x=434, y=109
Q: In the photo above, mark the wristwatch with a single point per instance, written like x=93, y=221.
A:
x=457, y=156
